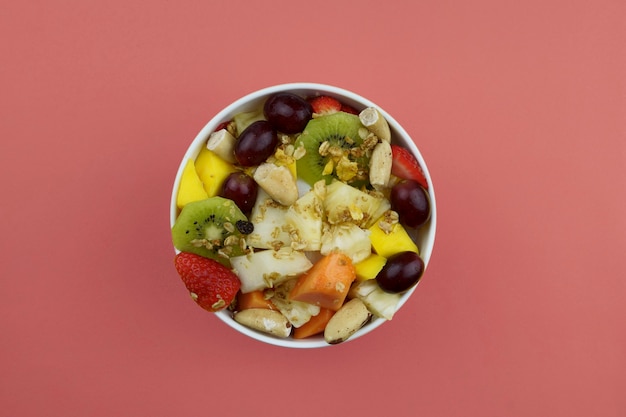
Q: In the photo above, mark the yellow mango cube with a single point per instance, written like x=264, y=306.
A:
x=212, y=171
x=190, y=188
x=369, y=267
x=387, y=244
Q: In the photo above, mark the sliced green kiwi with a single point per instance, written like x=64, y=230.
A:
x=208, y=228
x=341, y=131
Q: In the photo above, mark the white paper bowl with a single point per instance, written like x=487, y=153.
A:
x=425, y=239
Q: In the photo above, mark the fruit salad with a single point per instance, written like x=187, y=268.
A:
x=300, y=218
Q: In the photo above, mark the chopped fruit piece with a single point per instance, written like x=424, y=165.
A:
x=256, y=143
x=242, y=189
x=212, y=170
x=324, y=142
x=344, y=203
x=287, y=112
x=327, y=283
x=222, y=142
x=323, y=105
x=270, y=224
x=315, y=325
x=347, y=238
x=254, y=299
x=349, y=109
x=380, y=165
x=206, y=228
x=297, y=312
x=305, y=217
x=374, y=121
x=211, y=285
x=401, y=272
x=406, y=166
x=412, y=203
x=378, y=302
x=223, y=125
x=269, y=268
x=278, y=182
x=392, y=239
x=369, y=267
x=243, y=120
x=191, y=188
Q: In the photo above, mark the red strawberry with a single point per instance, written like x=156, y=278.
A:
x=405, y=166
x=223, y=125
x=348, y=109
x=212, y=285
x=325, y=105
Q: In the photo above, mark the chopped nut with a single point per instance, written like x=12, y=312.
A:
x=336, y=151
x=231, y=240
x=299, y=152
x=198, y=243
x=225, y=252
x=369, y=142
x=323, y=149
x=219, y=303
x=389, y=219
x=264, y=320
x=229, y=227
x=346, y=321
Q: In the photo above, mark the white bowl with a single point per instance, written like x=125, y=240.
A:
x=425, y=239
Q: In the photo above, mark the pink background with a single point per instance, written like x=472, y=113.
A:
x=518, y=106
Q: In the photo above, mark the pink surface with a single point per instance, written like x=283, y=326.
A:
x=518, y=107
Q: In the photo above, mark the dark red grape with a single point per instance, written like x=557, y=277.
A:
x=256, y=143
x=287, y=112
x=401, y=272
x=241, y=189
x=410, y=200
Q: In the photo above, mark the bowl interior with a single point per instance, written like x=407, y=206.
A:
x=425, y=239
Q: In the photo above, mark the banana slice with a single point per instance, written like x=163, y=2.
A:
x=278, y=182
x=380, y=165
x=374, y=121
x=222, y=143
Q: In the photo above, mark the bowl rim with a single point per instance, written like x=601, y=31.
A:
x=252, y=100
